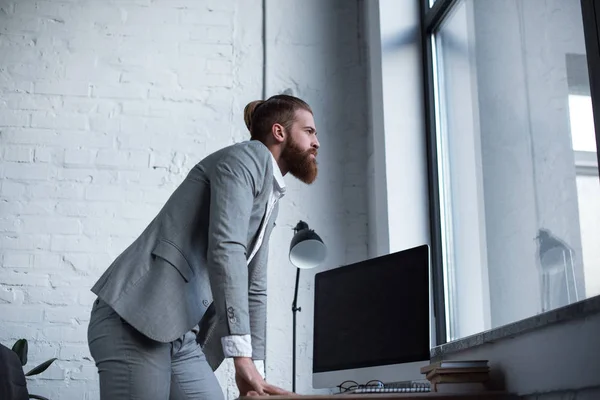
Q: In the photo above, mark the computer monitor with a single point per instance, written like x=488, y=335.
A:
x=372, y=320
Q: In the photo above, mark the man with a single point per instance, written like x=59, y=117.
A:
x=191, y=290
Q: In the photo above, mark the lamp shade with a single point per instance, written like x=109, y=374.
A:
x=307, y=249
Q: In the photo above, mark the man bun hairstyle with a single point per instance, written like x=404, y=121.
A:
x=261, y=115
x=249, y=112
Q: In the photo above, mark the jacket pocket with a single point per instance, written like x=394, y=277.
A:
x=169, y=252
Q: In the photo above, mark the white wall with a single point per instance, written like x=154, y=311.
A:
x=557, y=360
x=377, y=184
x=404, y=125
x=104, y=109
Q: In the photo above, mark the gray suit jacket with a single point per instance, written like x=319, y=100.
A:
x=189, y=266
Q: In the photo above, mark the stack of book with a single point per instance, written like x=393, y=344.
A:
x=457, y=376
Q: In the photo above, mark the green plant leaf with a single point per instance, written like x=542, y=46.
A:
x=20, y=347
x=35, y=396
x=41, y=368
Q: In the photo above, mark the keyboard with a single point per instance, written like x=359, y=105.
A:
x=369, y=390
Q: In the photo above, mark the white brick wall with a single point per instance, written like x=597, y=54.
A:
x=105, y=106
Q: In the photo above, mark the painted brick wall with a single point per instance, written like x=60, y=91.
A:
x=105, y=106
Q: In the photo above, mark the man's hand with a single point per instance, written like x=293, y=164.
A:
x=249, y=381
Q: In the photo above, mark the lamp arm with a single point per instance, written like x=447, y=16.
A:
x=294, y=309
x=295, y=302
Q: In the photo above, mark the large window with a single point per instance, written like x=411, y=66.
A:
x=513, y=159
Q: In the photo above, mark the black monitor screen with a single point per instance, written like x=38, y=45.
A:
x=373, y=313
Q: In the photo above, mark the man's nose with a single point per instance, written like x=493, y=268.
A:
x=316, y=143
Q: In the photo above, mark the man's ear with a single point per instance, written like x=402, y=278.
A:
x=278, y=133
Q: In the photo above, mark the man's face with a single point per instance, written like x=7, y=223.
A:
x=300, y=149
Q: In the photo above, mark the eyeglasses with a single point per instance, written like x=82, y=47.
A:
x=352, y=385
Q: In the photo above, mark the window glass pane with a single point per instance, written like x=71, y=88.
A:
x=588, y=193
x=581, y=118
x=519, y=190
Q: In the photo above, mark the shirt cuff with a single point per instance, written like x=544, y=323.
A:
x=237, y=346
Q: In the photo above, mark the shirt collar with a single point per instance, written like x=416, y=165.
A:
x=279, y=184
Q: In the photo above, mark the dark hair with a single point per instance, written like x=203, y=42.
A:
x=260, y=115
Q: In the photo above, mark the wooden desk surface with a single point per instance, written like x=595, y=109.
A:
x=402, y=396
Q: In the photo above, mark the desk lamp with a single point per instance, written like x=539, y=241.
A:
x=307, y=251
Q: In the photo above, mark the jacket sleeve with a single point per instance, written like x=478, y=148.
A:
x=235, y=181
x=257, y=296
x=258, y=293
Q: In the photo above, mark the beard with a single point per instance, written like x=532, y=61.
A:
x=299, y=162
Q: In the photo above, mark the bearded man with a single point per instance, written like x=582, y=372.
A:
x=190, y=291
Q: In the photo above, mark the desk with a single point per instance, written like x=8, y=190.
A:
x=401, y=396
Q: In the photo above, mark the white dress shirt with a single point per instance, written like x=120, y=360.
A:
x=241, y=345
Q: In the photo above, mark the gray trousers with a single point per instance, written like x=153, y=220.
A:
x=132, y=366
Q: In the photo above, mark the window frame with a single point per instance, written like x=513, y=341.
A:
x=431, y=19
